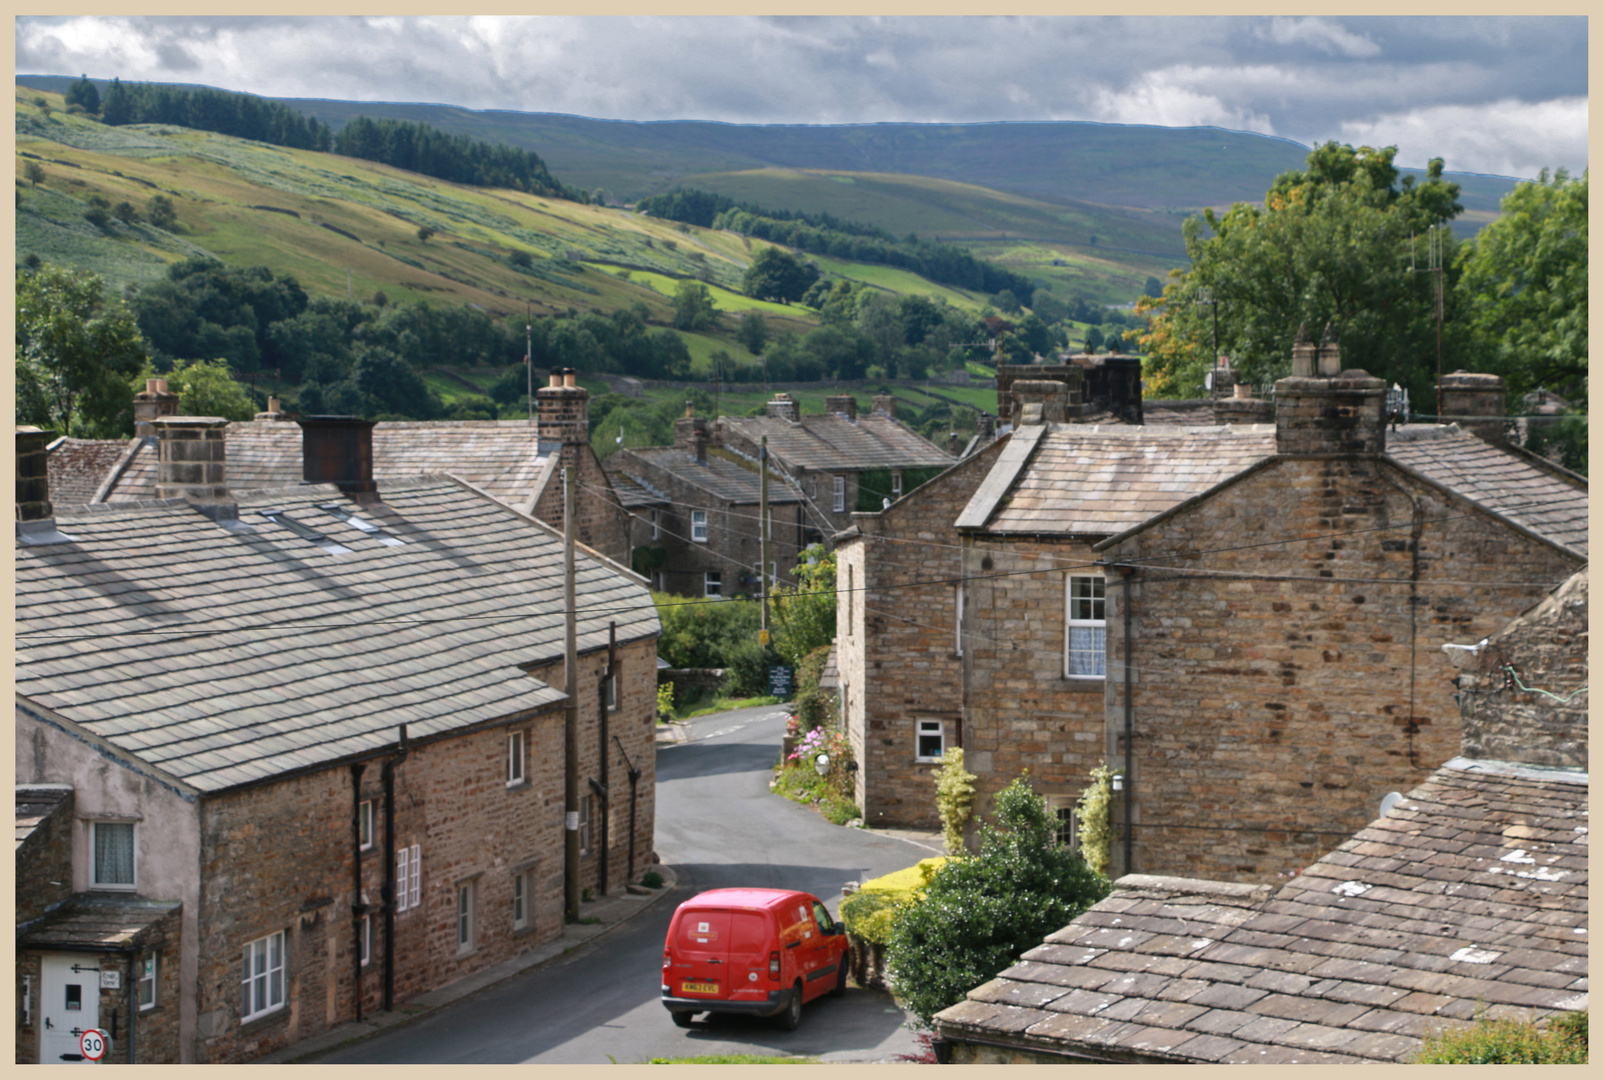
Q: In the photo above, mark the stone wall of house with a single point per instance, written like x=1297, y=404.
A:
x=281, y=858
x=898, y=654
x=157, y=1027
x=44, y=862
x=1522, y=694
x=1021, y=711
x=1282, y=686
x=600, y=522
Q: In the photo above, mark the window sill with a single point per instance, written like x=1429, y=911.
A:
x=261, y=1021
x=517, y=785
x=463, y=954
x=1084, y=684
x=522, y=931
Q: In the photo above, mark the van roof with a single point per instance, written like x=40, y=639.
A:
x=750, y=898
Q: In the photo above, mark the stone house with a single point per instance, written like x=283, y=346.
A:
x=839, y=461
x=288, y=757
x=509, y=460
x=699, y=533
x=1465, y=898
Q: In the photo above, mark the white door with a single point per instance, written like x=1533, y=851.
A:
x=69, y=1004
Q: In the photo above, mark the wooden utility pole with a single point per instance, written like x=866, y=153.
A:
x=763, y=579
x=571, y=890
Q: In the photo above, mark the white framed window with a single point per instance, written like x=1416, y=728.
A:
x=515, y=758
x=113, y=845
x=465, y=917
x=712, y=583
x=813, y=488
x=896, y=484
x=408, y=877
x=1085, y=636
x=262, y=985
x=147, y=981
x=1068, y=832
x=587, y=806
x=657, y=525
x=520, y=901
x=364, y=942
x=699, y=526
x=930, y=741
x=958, y=620
x=364, y=824
x=838, y=492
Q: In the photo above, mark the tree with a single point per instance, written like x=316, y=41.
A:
x=76, y=351
x=34, y=172
x=753, y=333
x=204, y=388
x=693, y=306
x=978, y=914
x=160, y=213
x=804, y=614
x=84, y=95
x=125, y=212
x=424, y=232
x=1153, y=287
x=776, y=274
x=1526, y=279
x=1331, y=243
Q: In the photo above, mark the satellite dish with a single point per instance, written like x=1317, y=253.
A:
x=885, y=504
x=1388, y=801
x=620, y=438
x=1208, y=381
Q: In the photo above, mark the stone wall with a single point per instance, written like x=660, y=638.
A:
x=1280, y=689
x=897, y=641
x=600, y=523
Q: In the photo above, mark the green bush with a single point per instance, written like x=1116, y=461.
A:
x=1510, y=1042
x=870, y=912
x=979, y=913
x=955, y=798
x=700, y=634
x=748, y=664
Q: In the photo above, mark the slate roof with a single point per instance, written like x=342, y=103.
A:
x=500, y=457
x=633, y=494
x=1470, y=893
x=97, y=922
x=1094, y=480
x=832, y=443
x=77, y=467
x=223, y=658
x=726, y=480
x=35, y=804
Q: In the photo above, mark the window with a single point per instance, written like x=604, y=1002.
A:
x=712, y=584
x=520, y=901
x=1084, y=632
x=587, y=805
x=838, y=488
x=699, y=526
x=515, y=758
x=365, y=940
x=114, y=854
x=147, y=981
x=465, y=920
x=657, y=526
x=896, y=483
x=813, y=489
x=1068, y=821
x=364, y=824
x=263, y=982
x=931, y=741
x=408, y=878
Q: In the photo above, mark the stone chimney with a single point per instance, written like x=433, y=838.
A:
x=339, y=450
x=1303, y=354
x=1475, y=403
x=1038, y=401
x=190, y=462
x=153, y=401
x=273, y=412
x=885, y=405
x=1243, y=408
x=33, y=476
x=563, y=408
x=1344, y=414
x=691, y=435
x=1329, y=363
x=842, y=405
x=783, y=407
x=986, y=425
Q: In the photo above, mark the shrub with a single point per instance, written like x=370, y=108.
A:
x=1096, y=830
x=700, y=634
x=1510, y=1042
x=955, y=798
x=748, y=665
x=979, y=913
x=665, y=700
x=869, y=912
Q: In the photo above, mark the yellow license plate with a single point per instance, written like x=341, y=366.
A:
x=699, y=988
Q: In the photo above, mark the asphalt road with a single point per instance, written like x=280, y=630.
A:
x=717, y=825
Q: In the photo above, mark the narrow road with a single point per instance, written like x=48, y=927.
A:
x=717, y=825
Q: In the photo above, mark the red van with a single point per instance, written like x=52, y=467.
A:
x=758, y=951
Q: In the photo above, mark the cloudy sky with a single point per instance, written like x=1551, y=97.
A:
x=1493, y=95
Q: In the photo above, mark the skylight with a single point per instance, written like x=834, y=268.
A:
x=305, y=532
x=345, y=514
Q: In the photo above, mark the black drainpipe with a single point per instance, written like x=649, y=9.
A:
x=389, y=869
x=607, y=802
x=358, y=908
x=1130, y=786
x=634, y=781
x=132, y=997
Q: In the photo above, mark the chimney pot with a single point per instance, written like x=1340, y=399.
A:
x=568, y=378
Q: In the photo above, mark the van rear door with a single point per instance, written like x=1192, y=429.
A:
x=701, y=954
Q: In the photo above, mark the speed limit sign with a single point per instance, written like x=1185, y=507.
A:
x=93, y=1044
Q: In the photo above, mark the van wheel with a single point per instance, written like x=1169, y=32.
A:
x=792, y=1016
x=840, y=987
x=682, y=1019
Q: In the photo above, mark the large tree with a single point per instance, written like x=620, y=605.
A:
x=778, y=275
x=1525, y=279
x=76, y=352
x=1343, y=241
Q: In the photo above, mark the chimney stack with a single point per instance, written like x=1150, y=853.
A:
x=885, y=405
x=33, y=476
x=191, y=459
x=1038, y=401
x=690, y=434
x=338, y=450
x=986, y=424
x=1243, y=408
x=1475, y=403
x=153, y=401
x=783, y=407
x=1330, y=356
x=1303, y=354
x=563, y=408
x=273, y=411
x=842, y=405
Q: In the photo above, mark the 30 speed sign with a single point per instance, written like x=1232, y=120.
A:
x=93, y=1044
